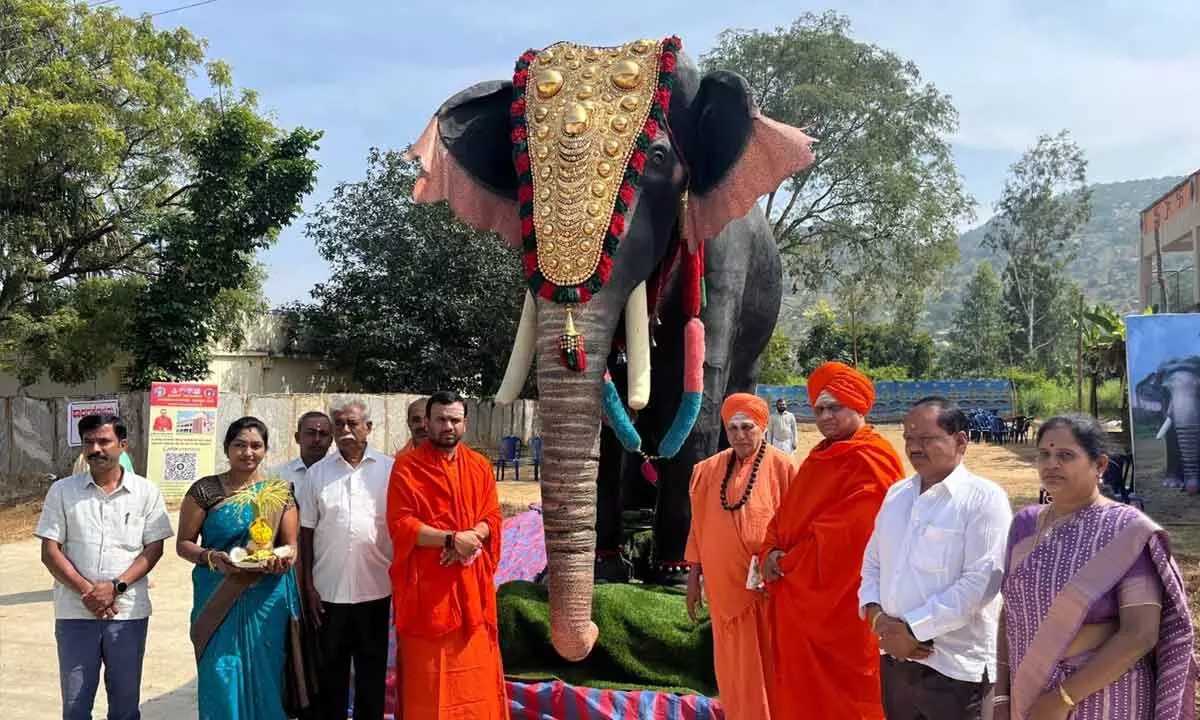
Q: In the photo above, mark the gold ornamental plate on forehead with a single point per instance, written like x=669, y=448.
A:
x=585, y=108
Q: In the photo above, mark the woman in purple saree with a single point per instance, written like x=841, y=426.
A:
x=1095, y=623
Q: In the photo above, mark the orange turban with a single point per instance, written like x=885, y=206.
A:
x=751, y=406
x=849, y=386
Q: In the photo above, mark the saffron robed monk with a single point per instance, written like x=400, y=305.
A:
x=825, y=660
x=734, y=494
x=444, y=518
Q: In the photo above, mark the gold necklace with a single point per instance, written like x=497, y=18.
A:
x=1046, y=523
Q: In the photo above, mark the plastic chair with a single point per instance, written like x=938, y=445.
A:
x=535, y=457
x=509, y=455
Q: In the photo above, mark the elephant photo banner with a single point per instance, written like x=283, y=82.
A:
x=893, y=399
x=1163, y=354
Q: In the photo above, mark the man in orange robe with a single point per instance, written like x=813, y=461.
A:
x=825, y=658
x=734, y=495
x=444, y=517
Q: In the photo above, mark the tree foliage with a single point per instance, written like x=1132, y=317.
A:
x=98, y=141
x=1044, y=203
x=778, y=362
x=418, y=301
x=896, y=350
x=883, y=197
x=249, y=179
x=979, y=339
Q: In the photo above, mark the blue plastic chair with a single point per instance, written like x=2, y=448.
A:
x=509, y=455
x=535, y=457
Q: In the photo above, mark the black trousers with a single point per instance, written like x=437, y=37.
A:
x=913, y=691
x=355, y=633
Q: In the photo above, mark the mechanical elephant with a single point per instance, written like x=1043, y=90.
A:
x=630, y=180
x=1174, y=390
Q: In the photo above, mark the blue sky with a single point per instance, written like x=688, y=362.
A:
x=1122, y=75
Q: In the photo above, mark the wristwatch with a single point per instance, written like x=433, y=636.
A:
x=449, y=541
x=120, y=586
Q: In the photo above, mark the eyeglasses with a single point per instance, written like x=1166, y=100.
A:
x=741, y=427
x=831, y=408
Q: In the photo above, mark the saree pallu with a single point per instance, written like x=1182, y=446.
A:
x=240, y=663
x=1048, y=591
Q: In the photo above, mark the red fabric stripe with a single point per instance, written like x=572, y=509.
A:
x=605, y=701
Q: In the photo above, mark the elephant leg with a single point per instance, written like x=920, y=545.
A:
x=1188, y=440
x=610, y=567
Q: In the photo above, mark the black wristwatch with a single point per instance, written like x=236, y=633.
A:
x=120, y=586
x=449, y=541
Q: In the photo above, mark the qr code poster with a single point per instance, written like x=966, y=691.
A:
x=182, y=438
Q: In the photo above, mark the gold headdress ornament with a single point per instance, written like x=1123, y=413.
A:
x=583, y=119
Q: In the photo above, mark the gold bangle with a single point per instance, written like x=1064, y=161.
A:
x=1062, y=693
x=875, y=621
x=208, y=559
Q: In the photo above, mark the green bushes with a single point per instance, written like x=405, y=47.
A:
x=1040, y=396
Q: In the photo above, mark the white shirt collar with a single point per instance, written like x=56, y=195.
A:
x=953, y=482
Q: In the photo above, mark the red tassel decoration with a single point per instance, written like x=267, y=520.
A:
x=649, y=472
x=570, y=347
x=692, y=275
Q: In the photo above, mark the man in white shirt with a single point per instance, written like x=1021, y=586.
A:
x=345, y=553
x=102, y=532
x=781, y=428
x=931, y=574
x=314, y=435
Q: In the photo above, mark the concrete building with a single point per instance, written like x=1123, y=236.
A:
x=266, y=364
x=1169, y=249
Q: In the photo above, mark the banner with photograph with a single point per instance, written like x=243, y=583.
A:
x=81, y=409
x=182, y=435
x=1163, y=352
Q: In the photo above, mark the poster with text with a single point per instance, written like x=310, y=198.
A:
x=182, y=435
x=1164, y=398
x=81, y=409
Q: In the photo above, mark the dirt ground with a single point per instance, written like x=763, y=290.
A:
x=28, y=666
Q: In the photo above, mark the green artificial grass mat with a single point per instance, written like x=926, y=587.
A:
x=647, y=641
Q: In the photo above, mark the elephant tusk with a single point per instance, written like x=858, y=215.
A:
x=521, y=358
x=637, y=347
x=1166, y=428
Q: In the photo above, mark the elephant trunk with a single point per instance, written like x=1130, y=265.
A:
x=1189, y=455
x=569, y=408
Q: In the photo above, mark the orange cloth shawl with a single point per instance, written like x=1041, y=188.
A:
x=427, y=488
x=826, y=660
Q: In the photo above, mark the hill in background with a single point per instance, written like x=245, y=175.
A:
x=1105, y=266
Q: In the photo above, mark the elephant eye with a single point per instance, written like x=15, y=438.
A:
x=658, y=156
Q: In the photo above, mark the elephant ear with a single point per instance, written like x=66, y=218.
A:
x=466, y=159
x=735, y=154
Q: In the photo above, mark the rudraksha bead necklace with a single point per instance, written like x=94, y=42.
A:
x=762, y=449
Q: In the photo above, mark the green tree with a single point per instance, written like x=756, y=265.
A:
x=979, y=338
x=883, y=197
x=418, y=301
x=97, y=129
x=1044, y=203
x=249, y=180
x=894, y=350
x=778, y=363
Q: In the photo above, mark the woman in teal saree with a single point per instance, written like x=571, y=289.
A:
x=242, y=618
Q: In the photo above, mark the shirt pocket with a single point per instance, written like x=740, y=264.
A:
x=938, y=549
x=126, y=530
